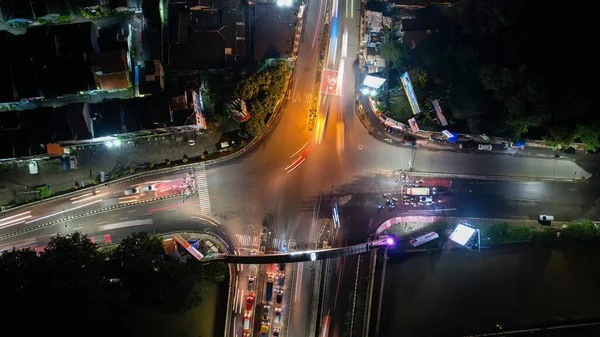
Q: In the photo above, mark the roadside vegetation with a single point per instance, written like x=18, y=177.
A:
x=73, y=286
x=574, y=233
x=495, y=70
x=260, y=89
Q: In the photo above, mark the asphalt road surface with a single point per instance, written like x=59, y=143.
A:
x=287, y=172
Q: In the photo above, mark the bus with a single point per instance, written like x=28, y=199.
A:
x=424, y=239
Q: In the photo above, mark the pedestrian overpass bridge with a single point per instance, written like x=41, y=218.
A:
x=306, y=255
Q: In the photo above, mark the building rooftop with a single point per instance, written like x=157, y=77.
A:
x=208, y=38
x=274, y=31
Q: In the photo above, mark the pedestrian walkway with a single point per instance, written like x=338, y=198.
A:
x=248, y=241
x=202, y=188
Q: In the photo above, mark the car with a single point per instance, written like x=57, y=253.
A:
x=131, y=191
x=251, y=283
x=281, y=266
x=292, y=245
x=439, y=190
x=264, y=329
x=543, y=217
x=266, y=310
x=149, y=188
x=249, y=302
x=191, y=142
x=246, y=327
x=276, y=332
x=484, y=147
x=425, y=199
x=409, y=140
x=277, y=318
x=279, y=297
x=467, y=145
x=280, y=279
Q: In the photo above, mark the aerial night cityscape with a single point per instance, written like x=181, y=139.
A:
x=301, y=168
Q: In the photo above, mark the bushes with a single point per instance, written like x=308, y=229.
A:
x=504, y=233
x=580, y=231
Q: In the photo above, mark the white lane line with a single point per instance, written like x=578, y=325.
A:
x=13, y=216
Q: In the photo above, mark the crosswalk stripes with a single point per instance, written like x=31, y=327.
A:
x=202, y=188
x=247, y=240
x=301, y=97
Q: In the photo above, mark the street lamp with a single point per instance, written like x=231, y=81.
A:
x=365, y=91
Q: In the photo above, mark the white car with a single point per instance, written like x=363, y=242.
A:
x=277, y=319
x=545, y=217
x=131, y=191
x=484, y=147
x=425, y=199
x=148, y=188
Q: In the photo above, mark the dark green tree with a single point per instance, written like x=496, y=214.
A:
x=154, y=280
x=580, y=231
x=396, y=53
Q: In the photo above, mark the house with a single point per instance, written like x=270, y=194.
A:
x=186, y=107
x=273, y=31
x=15, y=10
x=207, y=38
x=44, y=54
x=110, y=70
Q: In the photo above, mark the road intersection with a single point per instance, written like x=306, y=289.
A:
x=285, y=175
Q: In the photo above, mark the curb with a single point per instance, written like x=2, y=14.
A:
x=479, y=177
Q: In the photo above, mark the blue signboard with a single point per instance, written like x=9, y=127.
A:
x=410, y=93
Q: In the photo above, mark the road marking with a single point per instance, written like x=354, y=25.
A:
x=202, y=188
x=432, y=210
x=352, y=8
x=347, y=8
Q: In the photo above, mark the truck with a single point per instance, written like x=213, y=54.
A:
x=269, y=295
x=417, y=191
x=424, y=239
x=436, y=182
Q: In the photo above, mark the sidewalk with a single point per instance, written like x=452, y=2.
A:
x=406, y=225
x=378, y=130
x=17, y=185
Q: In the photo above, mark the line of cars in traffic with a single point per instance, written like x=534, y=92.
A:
x=271, y=309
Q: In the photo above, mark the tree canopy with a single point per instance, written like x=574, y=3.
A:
x=261, y=90
x=66, y=288
x=497, y=70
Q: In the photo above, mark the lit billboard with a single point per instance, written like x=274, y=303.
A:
x=413, y=125
x=410, y=93
x=438, y=111
x=462, y=234
x=424, y=239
